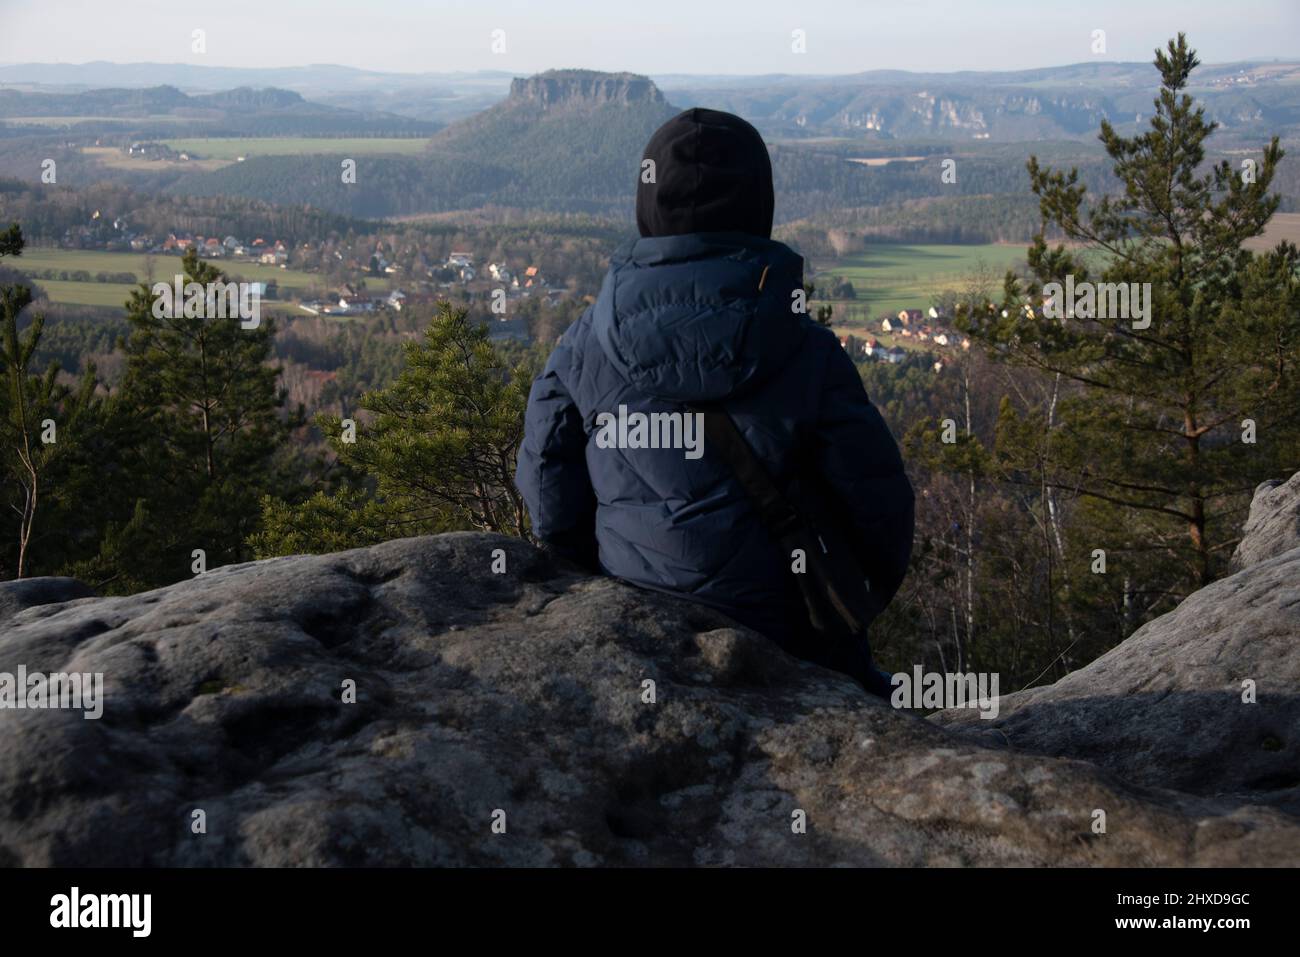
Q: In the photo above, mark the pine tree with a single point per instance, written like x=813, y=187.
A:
x=1170, y=424
x=207, y=437
x=38, y=421
x=438, y=452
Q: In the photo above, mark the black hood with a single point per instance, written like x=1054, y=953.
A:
x=712, y=175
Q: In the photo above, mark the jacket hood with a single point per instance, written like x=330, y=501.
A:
x=683, y=318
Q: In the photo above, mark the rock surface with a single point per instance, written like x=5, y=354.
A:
x=521, y=697
x=583, y=87
x=1170, y=707
x=1273, y=525
x=30, y=592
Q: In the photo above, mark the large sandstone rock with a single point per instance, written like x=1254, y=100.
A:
x=1172, y=706
x=30, y=592
x=1273, y=525
x=525, y=693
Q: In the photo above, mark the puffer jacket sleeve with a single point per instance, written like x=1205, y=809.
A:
x=551, y=472
x=859, y=459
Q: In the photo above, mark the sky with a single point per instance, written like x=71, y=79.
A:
x=642, y=36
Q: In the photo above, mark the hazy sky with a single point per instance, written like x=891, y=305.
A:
x=644, y=36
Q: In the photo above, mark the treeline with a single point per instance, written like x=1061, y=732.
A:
x=569, y=249
x=548, y=176
x=811, y=182
x=974, y=219
x=47, y=211
x=385, y=185
x=962, y=219
x=81, y=275
x=76, y=337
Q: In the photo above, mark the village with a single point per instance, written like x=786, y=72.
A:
x=925, y=330
x=892, y=336
x=374, y=283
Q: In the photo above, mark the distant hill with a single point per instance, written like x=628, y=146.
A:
x=564, y=140
x=1055, y=102
x=573, y=136
x=191, y=77
x=1001, y=114
x=172, y=112
x=1100, y=75
x=1066, y=102
x=112, y=102
x=557, y=109
x=864, y=149
x=570, y=141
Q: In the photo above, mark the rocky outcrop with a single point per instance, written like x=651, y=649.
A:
x=1273, y=525
x=1205, y=699
x=531, y=715
x=30, y=592
x=587, y=88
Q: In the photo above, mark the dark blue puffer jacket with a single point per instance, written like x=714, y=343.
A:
x=682, y=319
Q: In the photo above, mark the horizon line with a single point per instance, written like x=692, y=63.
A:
x=649, y=74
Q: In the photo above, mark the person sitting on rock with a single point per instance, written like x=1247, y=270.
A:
x=705, y=310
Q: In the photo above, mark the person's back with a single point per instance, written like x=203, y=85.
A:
x=704, y=308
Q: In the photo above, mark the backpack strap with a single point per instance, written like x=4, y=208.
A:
x=782, y=520
x=775, y=511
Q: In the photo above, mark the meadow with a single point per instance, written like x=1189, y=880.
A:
x=231, y=148
x=888, y=277
x=291, y=282
x=114, y=158
x=86, y=293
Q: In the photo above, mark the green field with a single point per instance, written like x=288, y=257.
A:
x=86, y=293
x=230, y=148
x=887, y=277
x=890, y=277
x=290, y=281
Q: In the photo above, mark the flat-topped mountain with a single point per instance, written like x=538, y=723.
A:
x=555, y=110
x=569, y=138
x=584, y=88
